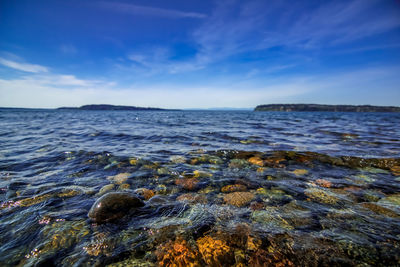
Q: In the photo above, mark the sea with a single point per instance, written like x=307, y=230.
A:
x=220, y=188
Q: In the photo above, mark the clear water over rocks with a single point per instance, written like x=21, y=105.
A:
x=219, y=188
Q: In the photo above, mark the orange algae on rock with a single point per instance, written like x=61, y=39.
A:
x=214, y=252
x=187, y=183
x=145, y=193
x=256, y=161
x=177, y=254
x=265, y=258
x=395, y=170
x=238, y=199
x=133, y=161
x=274, y=162
x=233, y=188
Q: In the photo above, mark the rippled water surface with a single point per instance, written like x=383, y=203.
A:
x=220, y=188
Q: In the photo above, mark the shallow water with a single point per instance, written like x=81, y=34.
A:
x=232, y=188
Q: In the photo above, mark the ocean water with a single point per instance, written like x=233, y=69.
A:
x=231, y=188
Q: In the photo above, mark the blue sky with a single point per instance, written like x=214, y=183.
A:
x=199, y=54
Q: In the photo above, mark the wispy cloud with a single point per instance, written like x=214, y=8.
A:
x=33, y=68
x=150, y=11
x=335, y=23
x=54, y=90
x=236, y=27
x=59, y=80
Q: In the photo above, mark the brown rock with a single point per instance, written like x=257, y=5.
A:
x=238, y=199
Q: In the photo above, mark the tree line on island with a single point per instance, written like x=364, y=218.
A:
x=112, y=107
x=268, y=107
x=330, y=108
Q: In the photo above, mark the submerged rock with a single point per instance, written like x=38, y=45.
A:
x=113, y=206
x=380, y=209
x=214, y=252
x=192, y=198
x=322, y=196
x=119, y=178
x=177, y=253
x=105, y=189
x=187, y=183
x=233, y=188
x=238, y=199
x=145, y=193
x=256, y=161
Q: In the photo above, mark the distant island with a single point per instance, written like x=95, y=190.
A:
x=113, y=107
x=331, y=108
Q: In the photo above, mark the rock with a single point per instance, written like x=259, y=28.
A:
x=124, y=186
x=105, y=189
x=372, y=195
x=381, y=210
x=163, y=171
x=391, y=200
x=233, y=188
x=177, y=159
x=188, y=184
x=214, y=252
x=239, y=199
x=161, y=189
x=395, y=170
x=192, y=198
x=113, y=206
x=322, y=196
x=238, y=163
x=177, y=253
x=145, y=193
x=271, y=219
x=201, y=174
x=256, y=161
x=158, y=200
x=119, y=178
x=323, y=183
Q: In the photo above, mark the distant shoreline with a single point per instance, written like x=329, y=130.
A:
x=114, y=107
x=327, y=108
x=267, y=107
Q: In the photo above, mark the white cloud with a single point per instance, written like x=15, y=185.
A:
x=45, y=91
x=23, y=66
x=22, y=93
x=150, y=11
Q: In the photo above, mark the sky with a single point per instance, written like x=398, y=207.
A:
x=199, y=53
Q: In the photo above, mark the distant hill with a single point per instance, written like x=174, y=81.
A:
x=111, y=107
x=332, y=108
